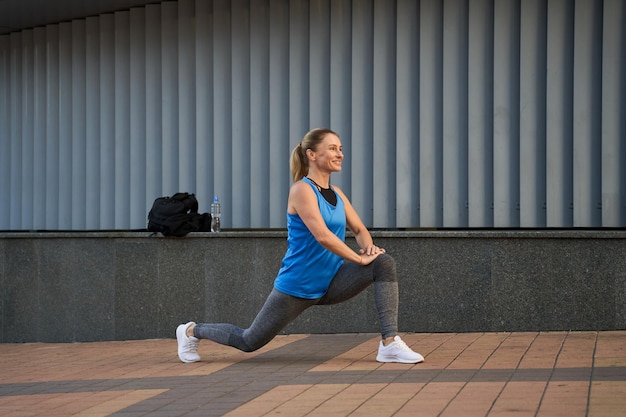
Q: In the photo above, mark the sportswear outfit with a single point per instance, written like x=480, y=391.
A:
x=310, y=275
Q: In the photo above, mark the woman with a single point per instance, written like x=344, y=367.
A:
x=318, y=268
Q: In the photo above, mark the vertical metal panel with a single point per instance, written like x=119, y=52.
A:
x=222, y=111
x=27, y=157
x=532, y=154
x=66, y=115
x=480, y=114
x=122, y=139
x=431, y=87
x=92, y=93
x=5, y=131
x=444, y=109
x=52, y=147
x=186, y=136
x=559, y=114
x=407, y=118
x=613, y=114
x=169, y=98
x=340, y=63
x=40, y=129
x=15, y=131
x=383, y=149
x=154, y=129
x=204, y=103
x=506, y=114
x=455, y=95
x=259, y=146
x=362, y=102
x=587, y=114
x=79, y=124
x=107, y=121
x=299, y=61
x=279, y=142
x=137, y=197
x=239, y=209
x=319, y=64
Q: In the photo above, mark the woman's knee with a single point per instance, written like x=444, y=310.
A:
x=251, y=341
x=385, y=268
x=237, y=341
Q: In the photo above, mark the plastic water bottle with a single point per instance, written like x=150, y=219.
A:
x=216, y=212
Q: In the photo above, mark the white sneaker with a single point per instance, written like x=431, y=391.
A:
x=397, y=351
x=187, y=345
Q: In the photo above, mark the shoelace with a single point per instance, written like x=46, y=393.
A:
x=192, y=345
x=400, y=343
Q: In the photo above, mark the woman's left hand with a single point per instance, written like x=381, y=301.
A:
x=371, y=250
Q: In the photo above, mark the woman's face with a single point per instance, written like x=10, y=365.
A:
x=329, y=154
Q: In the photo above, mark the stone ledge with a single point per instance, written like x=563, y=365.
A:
x=119, y=285
x=271, y=233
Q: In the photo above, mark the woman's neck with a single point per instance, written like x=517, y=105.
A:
x=320, y=179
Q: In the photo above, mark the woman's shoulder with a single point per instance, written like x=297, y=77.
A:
x=299, y=193
x=300, y=185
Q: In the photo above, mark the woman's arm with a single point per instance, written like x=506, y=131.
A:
x=303, y=202
x=356, y=226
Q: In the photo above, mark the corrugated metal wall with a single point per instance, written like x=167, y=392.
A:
x=482, y=113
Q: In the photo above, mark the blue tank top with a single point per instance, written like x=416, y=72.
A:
x=308, y=267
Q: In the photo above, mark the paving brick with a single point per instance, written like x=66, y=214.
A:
x=503, y=374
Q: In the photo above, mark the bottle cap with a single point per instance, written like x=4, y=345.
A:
x=215, y=199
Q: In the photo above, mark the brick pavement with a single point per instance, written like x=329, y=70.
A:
x=465, y=374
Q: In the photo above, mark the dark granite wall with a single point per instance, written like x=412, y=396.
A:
x=65, y=287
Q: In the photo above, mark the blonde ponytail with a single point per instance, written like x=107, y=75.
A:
x=299, y=163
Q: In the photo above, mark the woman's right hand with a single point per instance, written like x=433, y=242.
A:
x=368, y=259
x=369, y=253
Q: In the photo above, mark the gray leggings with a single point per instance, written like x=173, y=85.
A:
x=280, y=309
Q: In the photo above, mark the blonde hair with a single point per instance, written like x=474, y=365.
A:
x=299, y=162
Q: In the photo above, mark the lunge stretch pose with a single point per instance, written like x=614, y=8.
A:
x=318, y=267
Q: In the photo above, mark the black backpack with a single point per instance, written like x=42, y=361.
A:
x=177, y=215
